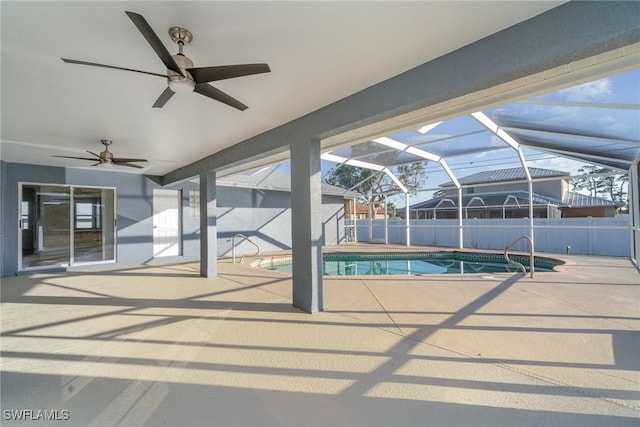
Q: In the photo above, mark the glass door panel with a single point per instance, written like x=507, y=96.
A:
x=93, y=228
x=45, y=225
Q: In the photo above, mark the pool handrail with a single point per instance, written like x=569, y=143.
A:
x=233, y=247
x=531, y=257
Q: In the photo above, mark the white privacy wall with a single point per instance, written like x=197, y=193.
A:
x=584, y=236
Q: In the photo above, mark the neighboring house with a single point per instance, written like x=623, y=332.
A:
x=504, y=194
x=362, y=211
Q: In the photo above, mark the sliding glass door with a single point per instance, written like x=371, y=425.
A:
x=93, y=228
x=65, y=225
x=45, y=226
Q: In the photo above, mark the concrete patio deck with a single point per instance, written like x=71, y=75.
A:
x=158, y=345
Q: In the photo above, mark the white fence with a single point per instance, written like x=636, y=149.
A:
x=584, y=236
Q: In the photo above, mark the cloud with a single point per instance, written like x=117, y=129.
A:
x=600, y=90
x=557, y=163
x=426, y=138
x=605, y=120
x=618, y=129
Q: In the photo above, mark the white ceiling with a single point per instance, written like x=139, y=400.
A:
x=319, y=52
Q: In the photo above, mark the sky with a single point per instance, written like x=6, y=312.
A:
x=606, y=108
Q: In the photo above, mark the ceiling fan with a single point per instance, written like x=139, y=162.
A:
x=181, y=75
x=106, y=157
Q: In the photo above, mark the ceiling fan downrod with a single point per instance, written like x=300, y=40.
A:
x=181, y=37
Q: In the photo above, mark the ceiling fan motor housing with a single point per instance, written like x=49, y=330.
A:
x=184, y=81
x=106, y=156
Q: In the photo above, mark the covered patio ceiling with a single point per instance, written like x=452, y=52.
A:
x=318, y=52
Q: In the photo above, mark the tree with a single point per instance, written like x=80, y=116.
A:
x=412, y=175
x=348, y=177
x=439, y=193
x=609, y=186
x=622, y=194
x=591, y=183
x=374, y=185
x=391, y=209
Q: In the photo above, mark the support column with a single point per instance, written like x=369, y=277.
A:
x=208, y=228
x=386, y=222
x=407, y=219
x=306, y=223
x=634, y=210
x=371, y=214
x=460, y=223
x=355, y=220
x=530, y=187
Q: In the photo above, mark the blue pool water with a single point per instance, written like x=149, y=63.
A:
x=420, y=264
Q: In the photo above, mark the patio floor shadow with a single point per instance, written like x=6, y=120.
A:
x=152, y=348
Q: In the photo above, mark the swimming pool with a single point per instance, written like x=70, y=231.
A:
x=417, y=263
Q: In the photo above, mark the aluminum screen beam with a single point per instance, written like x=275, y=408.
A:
x=351, y=162
x=427, y=128
x=508, y=139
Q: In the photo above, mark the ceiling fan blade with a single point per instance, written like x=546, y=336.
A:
x=152, y=38
x=210, y=74
x=163, y=98
x=93, y=64
x=78, y=158
x=91, y=152
x=213, y=93
x=131, y=165
x=126, y=160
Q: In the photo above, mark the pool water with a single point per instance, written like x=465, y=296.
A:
x=418, y=264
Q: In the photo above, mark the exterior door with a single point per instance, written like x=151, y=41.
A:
x=166, y=223
x=45, y=223
x=63, y=226
x=94, y=225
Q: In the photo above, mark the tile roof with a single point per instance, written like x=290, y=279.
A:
x=490, y=199
x=501, y=175
x=578, y=200
x=573, y=200
x=362, y=208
